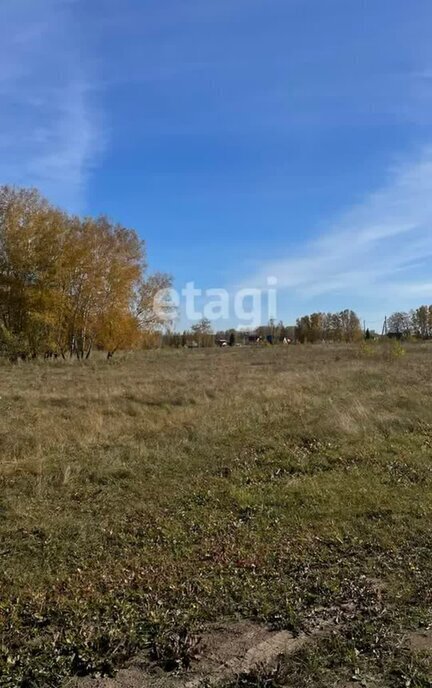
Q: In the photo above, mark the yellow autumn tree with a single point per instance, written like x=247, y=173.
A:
x=68, y=284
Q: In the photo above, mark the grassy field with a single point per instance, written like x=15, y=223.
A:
x=143, y=497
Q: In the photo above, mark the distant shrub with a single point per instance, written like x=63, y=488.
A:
x=368, y=349
x=397, y=350
x=384, y=349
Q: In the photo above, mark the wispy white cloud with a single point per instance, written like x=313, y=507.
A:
x=50, y=129
x=379, y=249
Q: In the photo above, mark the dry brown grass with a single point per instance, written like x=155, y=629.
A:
x=170, y=487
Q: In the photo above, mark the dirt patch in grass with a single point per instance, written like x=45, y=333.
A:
x=420, y=641
x=222, y=652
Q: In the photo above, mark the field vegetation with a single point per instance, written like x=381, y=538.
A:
x=148, y=495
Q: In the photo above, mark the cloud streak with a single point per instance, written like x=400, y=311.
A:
x=50, y=129
x=379, y=248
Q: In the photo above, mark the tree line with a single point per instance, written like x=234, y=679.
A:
x=70, y=284
x=343, y=326
x=335, y=327
x=316, y=327
x=416, y=323
x=202, y=334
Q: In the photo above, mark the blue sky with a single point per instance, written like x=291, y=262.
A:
x=240, y=138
